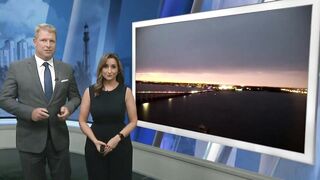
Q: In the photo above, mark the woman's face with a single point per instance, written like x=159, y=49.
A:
x=110, y=69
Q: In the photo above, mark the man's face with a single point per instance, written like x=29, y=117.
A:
x=45, y=44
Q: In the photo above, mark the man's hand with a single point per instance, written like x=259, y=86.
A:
x=64, y=113
x=39, y=114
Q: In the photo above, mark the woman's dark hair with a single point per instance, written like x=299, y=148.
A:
x=98, y=87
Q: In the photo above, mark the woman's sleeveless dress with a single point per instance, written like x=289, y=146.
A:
x=108, y=114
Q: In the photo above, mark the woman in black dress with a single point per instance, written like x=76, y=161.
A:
x=108, y=149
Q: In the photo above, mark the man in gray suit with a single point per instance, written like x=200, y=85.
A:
x=41, y=92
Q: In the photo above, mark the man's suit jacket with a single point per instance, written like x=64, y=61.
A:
x=22, y=92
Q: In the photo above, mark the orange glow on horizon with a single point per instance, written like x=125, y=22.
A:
x=292, y=79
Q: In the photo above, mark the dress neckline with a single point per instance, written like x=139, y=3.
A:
x=109, y=91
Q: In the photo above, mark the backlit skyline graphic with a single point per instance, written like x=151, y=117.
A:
x=268, y=48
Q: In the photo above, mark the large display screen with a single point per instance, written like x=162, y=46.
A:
x=244, y=77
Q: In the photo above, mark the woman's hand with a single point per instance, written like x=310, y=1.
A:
x=100, y=146
x=112, y=144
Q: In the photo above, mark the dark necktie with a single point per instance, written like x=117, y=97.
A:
x=47, y=81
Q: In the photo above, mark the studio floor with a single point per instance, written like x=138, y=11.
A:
x=10, y=168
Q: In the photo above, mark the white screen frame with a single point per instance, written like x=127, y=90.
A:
x=309, y=148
